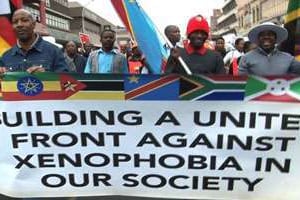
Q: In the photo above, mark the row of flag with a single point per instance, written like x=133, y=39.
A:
x=22, y=86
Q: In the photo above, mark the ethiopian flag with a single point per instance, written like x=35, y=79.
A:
x=292, y=24
x=39, y=86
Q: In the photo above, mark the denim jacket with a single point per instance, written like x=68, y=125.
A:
x=42, y=53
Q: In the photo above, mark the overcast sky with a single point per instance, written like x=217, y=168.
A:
x=162, y=12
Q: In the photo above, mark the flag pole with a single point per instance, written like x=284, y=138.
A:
x=297, y=40
x=184, y=65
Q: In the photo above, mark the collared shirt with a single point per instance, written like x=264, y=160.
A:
x=105, y=62
x=167, y=49
x=258, y=62
x=41, y=53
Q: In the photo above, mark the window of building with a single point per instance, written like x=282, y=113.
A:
x=257, y=13
x=35, y=13
x=62, y=2
x=106, y=27
x=51, y=20
x=48, y=3
x=57, y=22
x=253, y=15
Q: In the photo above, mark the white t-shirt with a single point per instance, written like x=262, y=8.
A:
x=230, y=55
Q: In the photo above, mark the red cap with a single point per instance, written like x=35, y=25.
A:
x=197, y=23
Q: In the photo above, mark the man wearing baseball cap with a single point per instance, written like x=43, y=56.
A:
x=198, y=58
x=267, y=59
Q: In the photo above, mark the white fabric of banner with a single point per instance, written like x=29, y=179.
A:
x=198, y=150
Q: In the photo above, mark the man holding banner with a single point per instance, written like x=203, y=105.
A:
x=32, y=53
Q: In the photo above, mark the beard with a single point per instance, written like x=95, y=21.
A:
x=24, y=36
x=197, y=43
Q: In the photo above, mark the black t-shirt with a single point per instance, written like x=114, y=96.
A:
x=209, y=63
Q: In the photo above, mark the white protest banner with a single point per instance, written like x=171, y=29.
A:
x=170, y=149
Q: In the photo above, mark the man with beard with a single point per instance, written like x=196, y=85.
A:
x=266, y=59
x=107, y=59
x=199, y=59
x=31, y=53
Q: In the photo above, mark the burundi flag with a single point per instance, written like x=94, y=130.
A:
x=155, y=87
x=7, y=35
x=144, y=32
x=292, y=24
x=195, y=88
x=281, y=89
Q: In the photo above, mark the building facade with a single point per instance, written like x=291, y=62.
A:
x=57, y=19
x=227, y=22
x=214, y=20
x=254, y=12
x=249, y=15
x=88, y=22
x=64, y=21
x=239, y=16
x=274, y=10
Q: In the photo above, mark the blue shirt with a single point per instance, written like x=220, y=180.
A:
x=42, y=53
x=105, y=62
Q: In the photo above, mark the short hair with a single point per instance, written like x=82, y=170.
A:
x=30, y=15
x=69, y=42
x=220, y=38
x=237, y=41
x=107, y=30
x=168, y=29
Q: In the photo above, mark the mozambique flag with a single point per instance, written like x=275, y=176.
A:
x=155, y=87
x=7, y=35
x=212, y=88
x=144, y=32
x=100, y=87
x=280, y=89
x=292, y=24
x=40, y=86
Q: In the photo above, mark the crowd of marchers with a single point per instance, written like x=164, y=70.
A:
x=258, y=55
